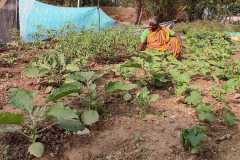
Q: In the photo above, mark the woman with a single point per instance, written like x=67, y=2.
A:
x=161, y=39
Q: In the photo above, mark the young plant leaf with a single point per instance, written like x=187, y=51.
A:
x=206, y=116
x=181, y=89
x=159, y=79
x=66, y=118
x=22, y=99
x=205, y=113
x=11, y=118
x=144, y=98
x=85, y=77
x=231, y=85
x=119, y=86
x=60, y=112
x=90, y=117
x=179, y=77
x=72, y=67
x=72, y=125
x=229, y=118
x=127, y=97
x=9, y=128
x=192, y=138
x=36, y=149
x=65, y=90
x=34, y=72
x=194, y=99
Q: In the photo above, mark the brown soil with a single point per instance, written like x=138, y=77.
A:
x=124, y=135
x=2, y=3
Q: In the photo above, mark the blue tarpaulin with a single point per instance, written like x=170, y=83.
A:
x=34, y=15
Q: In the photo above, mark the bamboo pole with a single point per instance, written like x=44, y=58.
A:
x=99, y=18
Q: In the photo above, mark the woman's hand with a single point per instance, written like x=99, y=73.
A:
x=142, y=46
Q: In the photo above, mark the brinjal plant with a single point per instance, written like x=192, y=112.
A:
x=144, y=99
x=30, y=118
x=192, y=138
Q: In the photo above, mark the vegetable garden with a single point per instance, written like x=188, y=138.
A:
x=93, y=95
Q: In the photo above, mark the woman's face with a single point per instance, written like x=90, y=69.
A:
x=153, y=26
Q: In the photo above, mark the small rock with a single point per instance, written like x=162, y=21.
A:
x=86, y=131
x=150, y=117
x=37, y=87
x=236, y=96
x=223, y=138
x=180, y=99
x=30, y=83
x=234, y=149
x=52, y=155
x=48, y=89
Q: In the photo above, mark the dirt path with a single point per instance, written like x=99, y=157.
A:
x=129, y=137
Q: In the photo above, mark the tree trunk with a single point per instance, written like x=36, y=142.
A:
x=139, y=9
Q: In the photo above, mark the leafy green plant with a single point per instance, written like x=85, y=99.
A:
x=218, y=93
x=121, y=88
x=74, y=50
x=194, y=98
x=11, y=118
x=205, y=113
x=88, y=87
x=229, y=117
x=127, y=72
x=23, y=100
x=192, y=138
x=144, y=99
x=181, y=80
x=29, y=124
x=76, y=82
x=129, y=68
x=82, y=83
x=64, y=90
x=65, y=117
x=230, y=86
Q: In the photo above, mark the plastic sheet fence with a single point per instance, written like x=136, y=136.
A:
x=34, y=15
x=8, y=19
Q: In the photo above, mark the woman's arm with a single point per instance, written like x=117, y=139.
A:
x=144, y=37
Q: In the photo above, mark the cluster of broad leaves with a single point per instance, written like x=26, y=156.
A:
x=206, y=54
x=204, y=110
x=192, y=138
x=144, y=98
x=34, y=116
x=74, y=50
x=80, y=83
